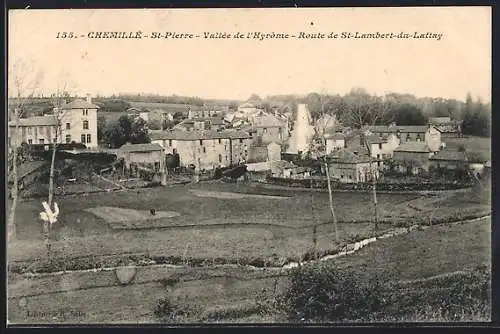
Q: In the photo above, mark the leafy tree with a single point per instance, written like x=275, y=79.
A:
x=405, y=114
x=233, y=106
x=101, y=125
x=476, y=118
x=126, y=130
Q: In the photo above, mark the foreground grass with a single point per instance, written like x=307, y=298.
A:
x=418, y=255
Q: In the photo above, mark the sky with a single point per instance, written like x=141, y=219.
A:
x=458, y=63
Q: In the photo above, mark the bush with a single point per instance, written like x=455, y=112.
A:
x=324, y=292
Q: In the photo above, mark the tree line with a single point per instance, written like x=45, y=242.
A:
x=404, y=109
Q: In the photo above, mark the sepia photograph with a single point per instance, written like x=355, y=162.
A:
x=248, y=166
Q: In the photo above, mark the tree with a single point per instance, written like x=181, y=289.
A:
x=23, y=81
x=361, y=110
x=101, y=125
x=126, y=130
x=233, y=106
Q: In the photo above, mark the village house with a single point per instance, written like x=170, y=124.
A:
x=77, y=122
x=448, y=127
x=348, y=166
x=151, y=156
x=247, y=108
x=412, y=157
x=260, y=156
x=416, y=133
x=205, y=149
x=450, y=159
x=203, y=113
x=201, y=123
x=281, y=168
x=267, y=128
x=382, y=148
x=334, y=141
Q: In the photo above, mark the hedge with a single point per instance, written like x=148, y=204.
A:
x=366, y=186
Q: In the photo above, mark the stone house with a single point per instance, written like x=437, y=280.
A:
x=268, y=128
x=450, y=159
x=334, y=141
x=281, y=168
x=448, y=127
x=205, y=149
x=412, y=157
x=145, y=155
x=77, y=123
x=410, y=133
x=348, y=166
x=201, y=123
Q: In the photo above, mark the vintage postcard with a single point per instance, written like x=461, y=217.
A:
x=287, y=165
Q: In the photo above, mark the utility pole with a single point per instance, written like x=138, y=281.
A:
x=331, y=202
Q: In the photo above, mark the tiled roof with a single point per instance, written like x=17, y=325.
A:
x=212, y=120
x=348, y=157
x=401, y=128
x=264, y=120
x=412, y=128
x=413, y=146
x=281, y=164
x=49, y=120
x=79, y=104
x=382, y=128
x=335, y=135
x=439, y=120
x=450, y=155
x=140, y=148
x=197, y=135
x=247, y=105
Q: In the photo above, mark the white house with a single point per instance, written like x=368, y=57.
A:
x=334, y=141
x=77, y=121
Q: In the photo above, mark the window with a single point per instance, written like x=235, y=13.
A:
x=68, y=126
x=265, y=130
x=29, y=130
x=85, y=112
x=226, y=158
x=341, y=176
x=380, y=146
x=220, y=157
x=201, y=141
x=378, y=156
x=220, y=141
x=408, y=137
x=36, y=131
x=170, y=142
x=30, y=141
x=68, y=139
x=41, y=141
x=85, y=125
x=89, y=139
x=204, y=149
x=83, y=139
x=350, y=177
x=241, y=141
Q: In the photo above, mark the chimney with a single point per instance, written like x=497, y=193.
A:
x=89, y=98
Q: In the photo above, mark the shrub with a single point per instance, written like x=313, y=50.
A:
x=324, y=292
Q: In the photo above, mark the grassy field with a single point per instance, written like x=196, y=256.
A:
x=472, y=144
x=213, y=227
x=435, y=251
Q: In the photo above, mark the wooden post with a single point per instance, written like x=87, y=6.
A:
x=331, y=202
